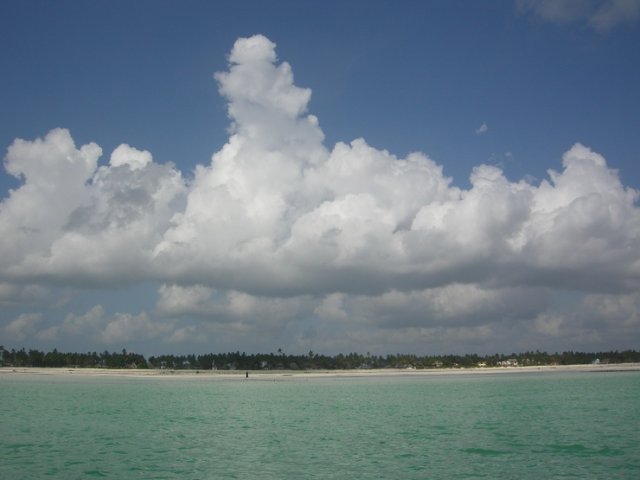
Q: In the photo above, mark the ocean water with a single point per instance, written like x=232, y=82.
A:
x=520, y=426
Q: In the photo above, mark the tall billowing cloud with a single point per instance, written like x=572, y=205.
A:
x=278, y=233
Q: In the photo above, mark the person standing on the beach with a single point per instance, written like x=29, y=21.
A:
x=246, y=375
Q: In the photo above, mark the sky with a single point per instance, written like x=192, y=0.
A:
x=425, y=177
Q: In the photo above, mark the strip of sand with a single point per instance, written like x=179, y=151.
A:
x=291, y=374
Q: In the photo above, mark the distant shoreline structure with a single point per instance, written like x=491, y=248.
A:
x=293, y=374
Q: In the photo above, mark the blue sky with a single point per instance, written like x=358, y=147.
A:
x=510, y=85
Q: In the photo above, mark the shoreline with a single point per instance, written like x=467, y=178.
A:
x=292, y=374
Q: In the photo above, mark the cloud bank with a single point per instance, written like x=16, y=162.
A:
x=345, y=246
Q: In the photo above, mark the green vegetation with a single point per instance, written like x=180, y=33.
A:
x=35, y=358
x=310, y=361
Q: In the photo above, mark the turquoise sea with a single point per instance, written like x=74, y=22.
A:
x=503, y=426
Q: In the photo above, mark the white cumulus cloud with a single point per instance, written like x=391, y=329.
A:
x=279, y=229
x=601, y=15
x=482, y=129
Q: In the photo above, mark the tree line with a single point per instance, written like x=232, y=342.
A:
x=310, y=361
x=36, y=358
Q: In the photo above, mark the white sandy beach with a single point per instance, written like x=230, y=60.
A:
x=285, y=374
